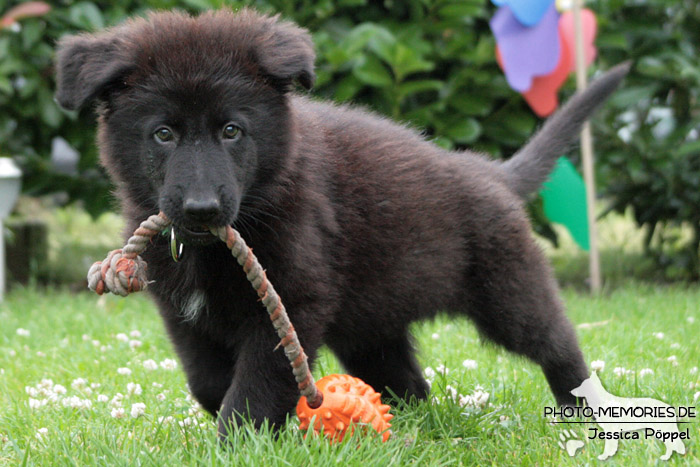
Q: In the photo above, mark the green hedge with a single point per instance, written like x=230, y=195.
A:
x=426, y=62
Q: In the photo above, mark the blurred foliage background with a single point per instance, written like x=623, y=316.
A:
x=429, y=63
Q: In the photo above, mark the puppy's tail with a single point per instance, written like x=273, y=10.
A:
x=531, y=165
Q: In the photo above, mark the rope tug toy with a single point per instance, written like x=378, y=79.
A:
x=336, y=404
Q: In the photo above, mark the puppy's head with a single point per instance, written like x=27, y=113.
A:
x=193, y=111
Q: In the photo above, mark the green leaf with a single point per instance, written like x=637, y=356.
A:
x=361, y=35
x=201, y=4
x=689, y=148
x=31, y=33
x=86, y=15
x=406, y=61
x=462, y=10
x=612, y=40
x=652, y=66
x=443, y=142
x=6, y=86
x=50, y=113
x=463, y=131
x=628, y=96
x=414, y=87
x=369, y=70
x=347, y=88
x=471, y=102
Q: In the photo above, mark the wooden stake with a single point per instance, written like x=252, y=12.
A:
x=587, y=155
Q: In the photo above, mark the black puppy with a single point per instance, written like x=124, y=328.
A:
x=363, y=225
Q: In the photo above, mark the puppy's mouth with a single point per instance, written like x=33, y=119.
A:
x=193, y=235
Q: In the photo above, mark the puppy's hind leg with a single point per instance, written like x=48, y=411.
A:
x=389, y=366
x=512, y=298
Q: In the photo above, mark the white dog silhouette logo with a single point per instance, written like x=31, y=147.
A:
x=618, y=417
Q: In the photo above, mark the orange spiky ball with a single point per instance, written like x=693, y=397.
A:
x=348, y=402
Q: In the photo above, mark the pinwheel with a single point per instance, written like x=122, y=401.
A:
x=538, y=45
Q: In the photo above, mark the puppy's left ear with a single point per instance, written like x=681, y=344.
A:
x=287, y=55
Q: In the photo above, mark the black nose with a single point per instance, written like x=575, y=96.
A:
x=201, y=210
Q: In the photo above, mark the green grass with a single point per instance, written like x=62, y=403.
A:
x=75, y=336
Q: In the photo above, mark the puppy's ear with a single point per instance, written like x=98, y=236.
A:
x=286, y=55
x=86, y=66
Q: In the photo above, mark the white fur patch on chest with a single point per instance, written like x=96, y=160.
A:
x=193, y=304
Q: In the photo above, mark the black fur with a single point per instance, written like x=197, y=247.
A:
x=362, y=225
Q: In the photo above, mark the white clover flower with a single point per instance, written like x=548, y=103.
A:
x=597, y=365
x=442, y=369
x=134, y=344
x=122, y=337
x=124, y=371
x=160, y=396
x=150, y=364
x=435, y=336
x=135, y=333
x=31, y=392
x=621, y=371
x=693, y=370
x=188, y=421
x=118, y=412
x=133, y=389
x=451, y=392
x=157, y=385
x=673, y=360
x=477, y=400
x=85, y=337
x=45, y=384
x=39, y=353
x=658, y=335
x=102, y=398
x=96, y=343
x=164, y=420
x=75, y=402
x=470, y=364
x=138, y=409
x=78, y=383
x=116, y=401
x=41, y=433
x=690, y=319
x=95, y=385
x=429, y=373
x=36, y=403
x=23, y=332
x=646, y=371
x=480, y=396
x=168, y=364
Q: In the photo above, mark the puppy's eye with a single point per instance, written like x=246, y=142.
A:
x=231, y=131
x=163, y=135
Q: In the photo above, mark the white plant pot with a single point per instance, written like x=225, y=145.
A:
x=10, y=183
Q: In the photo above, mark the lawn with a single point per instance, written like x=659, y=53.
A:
x=93, y=381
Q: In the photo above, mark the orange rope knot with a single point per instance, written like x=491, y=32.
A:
x=123, y=271
x=118, y=274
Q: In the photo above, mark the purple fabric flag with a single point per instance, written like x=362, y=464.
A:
x=526, y=52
